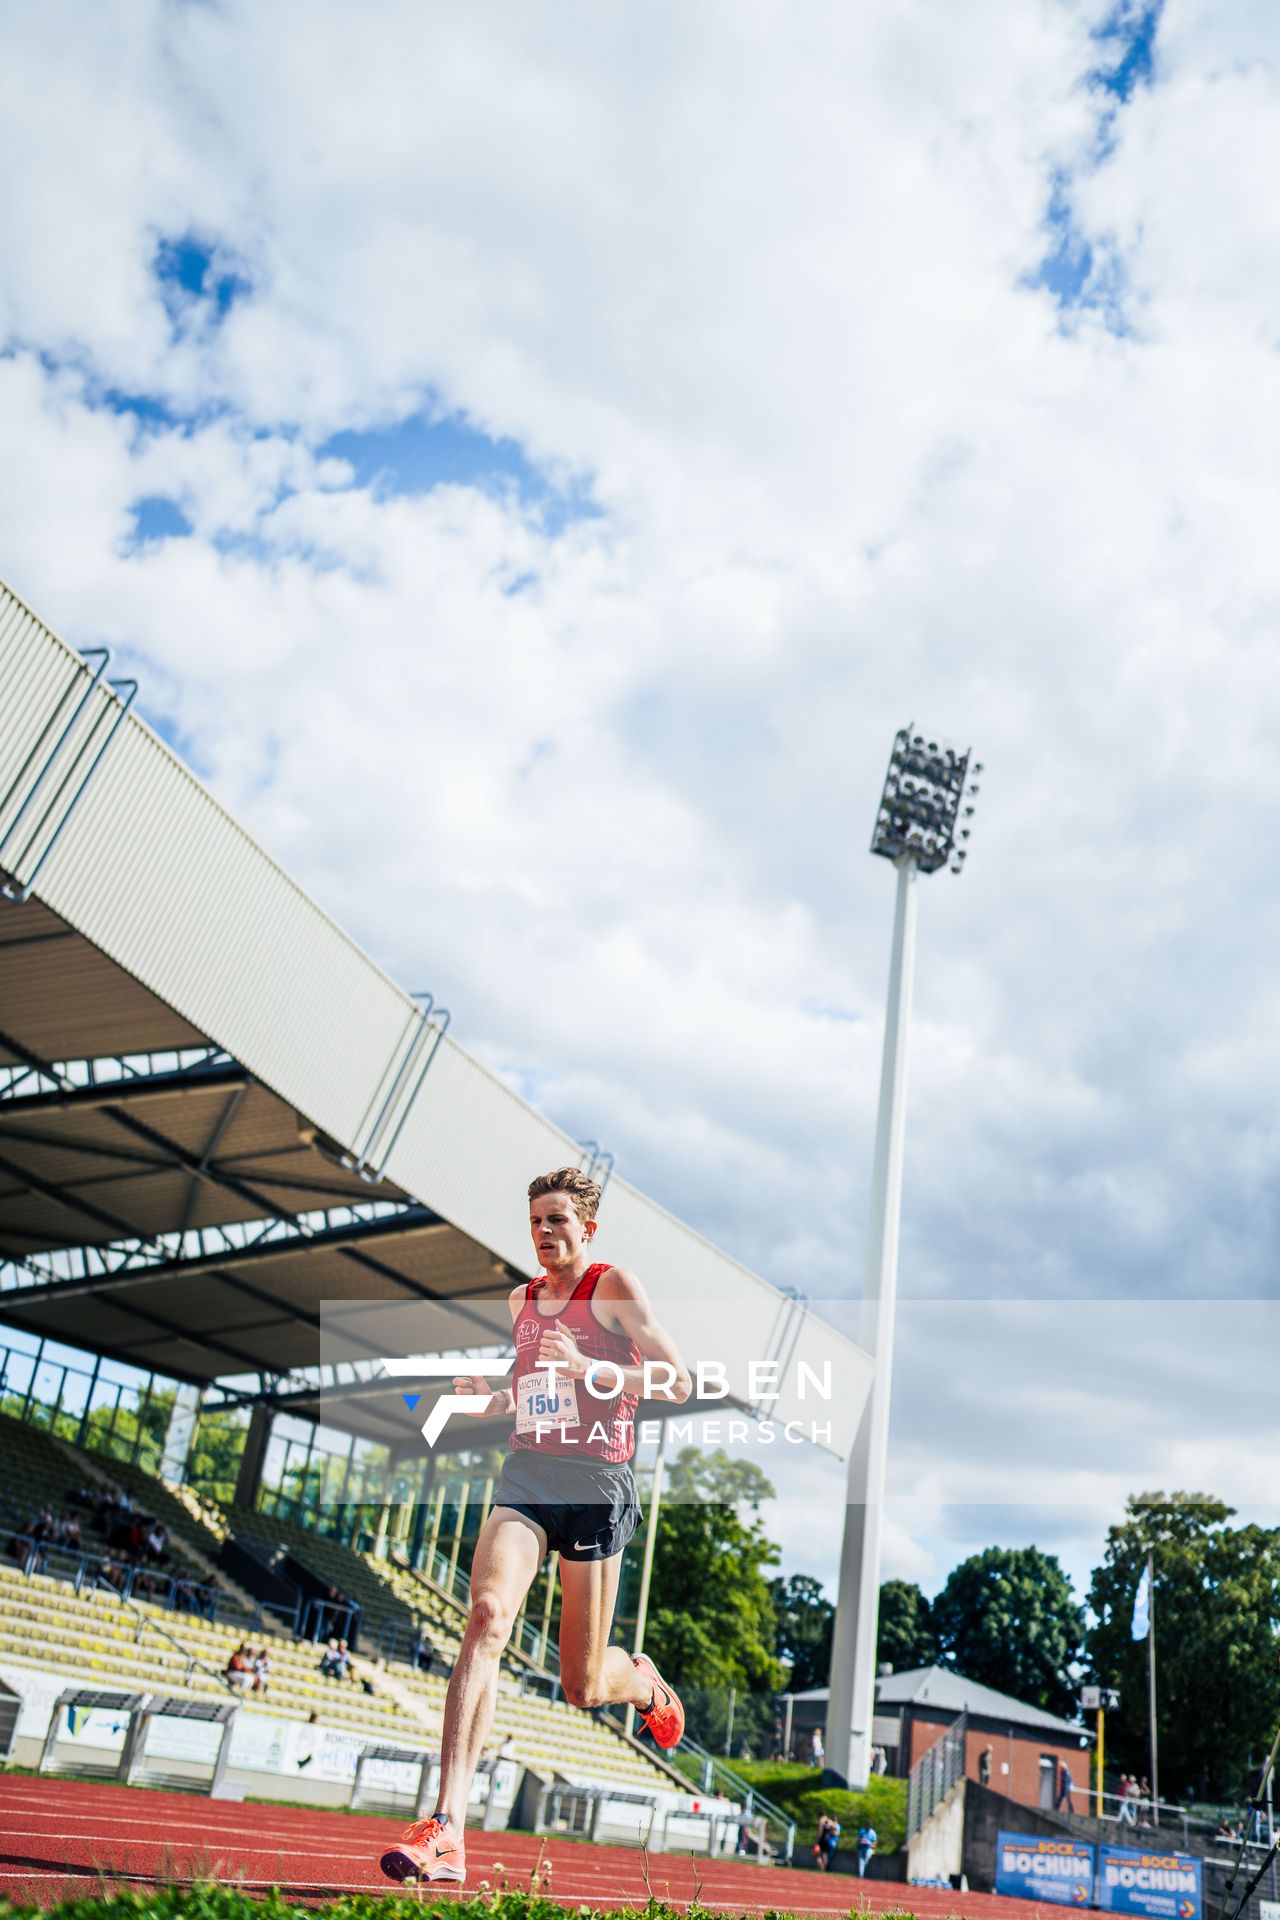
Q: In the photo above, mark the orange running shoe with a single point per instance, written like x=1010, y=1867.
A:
x=665, y=1718
x=429, y=1850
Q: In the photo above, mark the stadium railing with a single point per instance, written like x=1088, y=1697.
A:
x=715, y=1777
x=935, y=1773
x=80, y=1569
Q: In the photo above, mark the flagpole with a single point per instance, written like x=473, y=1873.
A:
x=1151, y=1688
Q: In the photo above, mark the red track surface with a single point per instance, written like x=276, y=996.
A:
x=59, y=1838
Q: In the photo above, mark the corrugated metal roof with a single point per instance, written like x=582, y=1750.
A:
x=949, y=1691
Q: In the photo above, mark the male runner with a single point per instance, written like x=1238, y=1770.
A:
x=566, y=1487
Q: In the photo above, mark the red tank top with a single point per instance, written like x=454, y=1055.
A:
x=607, y=1424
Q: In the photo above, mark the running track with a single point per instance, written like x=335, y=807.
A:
x=58, y=1838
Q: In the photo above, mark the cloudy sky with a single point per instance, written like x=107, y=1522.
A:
x=534, y=457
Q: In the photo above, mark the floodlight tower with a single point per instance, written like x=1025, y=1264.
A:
x=922, y=825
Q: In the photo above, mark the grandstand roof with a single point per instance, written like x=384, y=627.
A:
x=218, y=1114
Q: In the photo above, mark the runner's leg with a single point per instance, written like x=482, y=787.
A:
x=593, y=1673
x=507, y=1556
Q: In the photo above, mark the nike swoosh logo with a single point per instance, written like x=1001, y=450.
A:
x=581, y=1546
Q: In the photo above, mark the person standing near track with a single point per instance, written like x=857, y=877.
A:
x=587, y=1345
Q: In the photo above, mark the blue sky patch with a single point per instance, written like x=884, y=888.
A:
x=193, y=273
x=1066, y=266
x=1070, y=270
x=156, y=517
x=424, y=451
x=1129, y=38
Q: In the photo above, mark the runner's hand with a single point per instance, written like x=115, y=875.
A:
x=474, y=1383
x=559, y=1347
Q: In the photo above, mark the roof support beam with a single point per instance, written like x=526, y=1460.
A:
x=120, y=1229
x=220, y=1126
x=14, y=1303
x=122, y=1092
x=130, y=1157
x=227, y=1261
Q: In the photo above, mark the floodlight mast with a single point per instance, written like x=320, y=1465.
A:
x=924, y=813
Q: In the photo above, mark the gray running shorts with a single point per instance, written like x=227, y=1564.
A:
x=588, y=1509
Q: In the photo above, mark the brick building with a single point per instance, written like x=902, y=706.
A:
x=913, y=1710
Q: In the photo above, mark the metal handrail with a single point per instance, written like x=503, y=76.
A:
x=935, y=1773
x=80, y=1568
x=85, y=1567
x=18, y=890
x=716, y=1773
x=456, y=1589
x=194, y=1662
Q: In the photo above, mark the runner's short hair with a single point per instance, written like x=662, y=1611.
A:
x=580, y=1187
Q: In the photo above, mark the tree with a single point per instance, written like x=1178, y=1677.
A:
x=712, y=1625
x=905, y=1636
x=1217, y=1608
x=805, y=1618
x=1007, y=1617
x=126, y=1431
x=216, y=1451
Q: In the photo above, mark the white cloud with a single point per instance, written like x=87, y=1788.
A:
x=607, y=789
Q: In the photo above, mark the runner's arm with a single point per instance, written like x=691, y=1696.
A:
x=629, y=1308
x=504, y=1400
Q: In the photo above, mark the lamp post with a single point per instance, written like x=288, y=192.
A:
x=921, y=826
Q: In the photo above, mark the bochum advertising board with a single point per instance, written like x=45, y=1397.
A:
x=1165, y=1886
x=1056, y=1872
x=1123, y=1880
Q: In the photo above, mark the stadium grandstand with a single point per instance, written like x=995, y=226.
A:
x=240, y=1170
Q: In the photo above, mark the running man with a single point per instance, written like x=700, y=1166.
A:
x=583, y=1332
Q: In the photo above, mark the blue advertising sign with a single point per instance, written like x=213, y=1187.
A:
x=1056, y=1872
x=1160, y=1886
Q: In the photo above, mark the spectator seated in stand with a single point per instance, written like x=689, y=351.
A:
x=42, y=1527
x=112, y=1574
x=238, y=1671
x=335, y=1661
x=261, y=1670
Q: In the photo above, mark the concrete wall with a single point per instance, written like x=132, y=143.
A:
x=985, y=1814
x=937, y=1851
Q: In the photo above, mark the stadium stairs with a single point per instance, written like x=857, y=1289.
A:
x=148, y=1646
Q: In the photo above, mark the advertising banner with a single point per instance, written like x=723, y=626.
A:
x=1056, y=1872
x=1162, y=1886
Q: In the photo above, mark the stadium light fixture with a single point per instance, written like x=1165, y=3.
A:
x=922, y=825
x=926, y=805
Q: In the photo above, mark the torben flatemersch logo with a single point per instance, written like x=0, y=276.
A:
x=603, y=1381
x=434, y=1424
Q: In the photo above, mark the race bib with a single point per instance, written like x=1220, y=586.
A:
x=538, y=1406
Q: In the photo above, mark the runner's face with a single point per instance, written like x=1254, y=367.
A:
x=559, y=1236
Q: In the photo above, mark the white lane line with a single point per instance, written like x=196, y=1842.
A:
x=57, y=1828
x=175, y=1847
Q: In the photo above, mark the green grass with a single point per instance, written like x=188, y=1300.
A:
x=211, y=1901
x=797, y=1790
